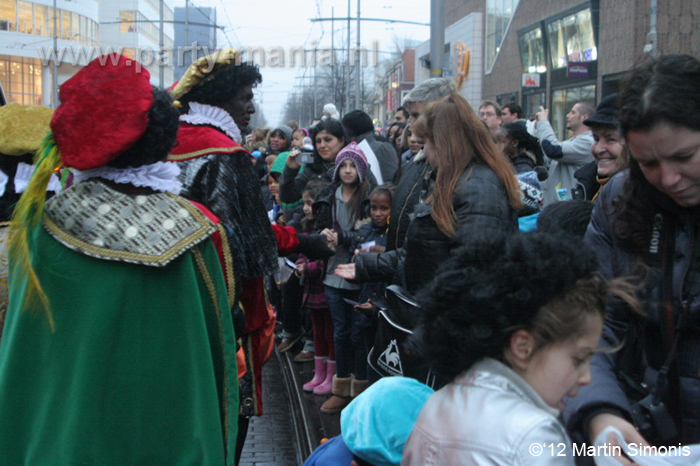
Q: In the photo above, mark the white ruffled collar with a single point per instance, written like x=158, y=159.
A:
x=23, y=175
x=160, y=176
x=203, y=114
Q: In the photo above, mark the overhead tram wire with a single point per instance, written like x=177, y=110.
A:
x=233, y=30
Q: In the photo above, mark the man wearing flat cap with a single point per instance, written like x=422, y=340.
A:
x=608, y=150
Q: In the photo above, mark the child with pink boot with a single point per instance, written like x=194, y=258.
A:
x=311, y=274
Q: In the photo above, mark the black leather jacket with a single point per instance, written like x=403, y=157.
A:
x=406, y=197
x=228, y=186
x=480, y=204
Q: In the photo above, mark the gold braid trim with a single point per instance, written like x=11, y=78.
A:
x=228, y=265
x=134, y=257
x=211, y=288
x=207, y=151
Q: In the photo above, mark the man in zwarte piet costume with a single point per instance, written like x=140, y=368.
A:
x=215, y=96
x=118, y=346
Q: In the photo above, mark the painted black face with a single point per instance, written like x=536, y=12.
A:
x=241, y=107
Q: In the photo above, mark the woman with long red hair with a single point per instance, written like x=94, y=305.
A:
x=471, y=188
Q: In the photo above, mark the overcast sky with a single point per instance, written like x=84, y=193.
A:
x=287, y=23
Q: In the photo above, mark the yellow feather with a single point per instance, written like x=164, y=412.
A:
x=25, y=218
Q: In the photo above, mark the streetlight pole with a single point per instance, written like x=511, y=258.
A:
x=335, y=90
x=437, y=37
x=55, y=56
x=357, y=62
x=346, y=107
x=187, y=26
x=161, y=46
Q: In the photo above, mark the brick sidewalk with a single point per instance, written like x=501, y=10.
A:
x=270, y=440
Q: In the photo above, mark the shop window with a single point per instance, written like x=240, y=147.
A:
x=126, y=19
x=531, y=103
x=562, y=102
x=612, y=84
x=49, y=18
x=83, y=30
x=8, y=16
x=41, y=20
x=498, y=16
x=571, y=39
x=532, y=51
x=65, y=25
x=75, y=27
x=25, y=17
x=504, y=99
x=21, y=79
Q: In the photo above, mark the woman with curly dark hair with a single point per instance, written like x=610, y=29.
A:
x=514, y=324
x=647, y=222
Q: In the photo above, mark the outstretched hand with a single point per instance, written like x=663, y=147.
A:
x=331, y=236
x=346, y=271
x=365, y=308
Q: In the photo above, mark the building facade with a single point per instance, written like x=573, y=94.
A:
x=397, y=81
x=133, y=28
x=195, y=28
x=27, y=45
x=553, y=53
x=463, y=58
x=30, y=44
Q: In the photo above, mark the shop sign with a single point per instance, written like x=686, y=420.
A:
x=531, y=80
x=577, y=69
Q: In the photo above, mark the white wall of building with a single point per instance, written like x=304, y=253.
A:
x=468, y=31
x=35, y=49
x=112, y=35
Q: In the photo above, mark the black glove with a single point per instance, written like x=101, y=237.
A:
x=314, y=247
x=238, y=320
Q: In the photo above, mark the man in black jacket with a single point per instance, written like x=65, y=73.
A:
x=607, y=150
x=358, y=127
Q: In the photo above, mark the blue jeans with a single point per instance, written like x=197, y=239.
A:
x=350, y=352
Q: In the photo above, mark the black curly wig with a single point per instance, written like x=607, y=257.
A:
x=526, y=142
x=155, y=144
x=223, y=84
x=495, y=286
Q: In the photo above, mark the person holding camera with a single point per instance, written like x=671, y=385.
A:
x=646, y=224
x=328, y=137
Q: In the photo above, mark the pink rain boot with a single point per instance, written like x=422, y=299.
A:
x=327, y=385
x=319, y=374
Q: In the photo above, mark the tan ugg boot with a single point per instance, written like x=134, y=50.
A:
x=341, y=396
x=357, y=387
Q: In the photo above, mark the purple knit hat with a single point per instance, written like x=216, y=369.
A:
x=352, y=152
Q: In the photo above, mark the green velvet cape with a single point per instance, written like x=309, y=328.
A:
x=140, y=369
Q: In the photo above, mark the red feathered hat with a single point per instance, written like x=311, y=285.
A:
x=103, y=111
